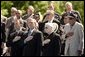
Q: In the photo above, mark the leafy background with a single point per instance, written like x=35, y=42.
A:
x=41, y=6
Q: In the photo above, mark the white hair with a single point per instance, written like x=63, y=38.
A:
x=36, y=24
x=68, y=3
x=19, y=11
x=31, y=7
x=13, y=9
x=54, y=26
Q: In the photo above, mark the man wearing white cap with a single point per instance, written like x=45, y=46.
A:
x=74, y=36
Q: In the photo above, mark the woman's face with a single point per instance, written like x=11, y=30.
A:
x=48, y=29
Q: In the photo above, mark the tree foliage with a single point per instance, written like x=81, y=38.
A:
x=41, y=6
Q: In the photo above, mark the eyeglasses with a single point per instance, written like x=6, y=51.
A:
x=47, y=14
x=17, y=13
x=71, y=18
x=65, y=18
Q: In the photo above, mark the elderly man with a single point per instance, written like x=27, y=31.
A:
x=10, y=20
x=15, y=39
x=32, y=39
x=74, y=35
x=30, y=13
x=12, y=17
x=69, y=9
x=56, y=15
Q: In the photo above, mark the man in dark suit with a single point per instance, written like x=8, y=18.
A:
x=32, y=39
x=15, y=40
x=12, y=17
x=30, y=13
x=3, y=33
x=51, y=43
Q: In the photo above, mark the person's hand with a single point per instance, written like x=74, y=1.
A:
x=79, y=52
x=9, y=51
x=5, y=50
x=46, y=41
x=2, y=45
x=28, y=39
x=69, y=34
x=16, y=38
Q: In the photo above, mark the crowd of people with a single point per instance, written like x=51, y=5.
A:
x=49, y=35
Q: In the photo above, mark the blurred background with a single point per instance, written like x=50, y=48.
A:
x=40, y=6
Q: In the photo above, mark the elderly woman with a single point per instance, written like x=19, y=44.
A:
x=51, y=43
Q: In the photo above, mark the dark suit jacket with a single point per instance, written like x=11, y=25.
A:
x=17, y=45
x=56, y=16
x=3, y=35
x=33, y=47
x=42, y=25
x=53, y=47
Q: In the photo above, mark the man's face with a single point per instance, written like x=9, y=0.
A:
x=29, y=11
x=18, y=14
x=71, y=20
x=49, y=16
x=68, y=6
x=31, y=24
x=50, y=7
x=66, y=20
x=13, y=13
